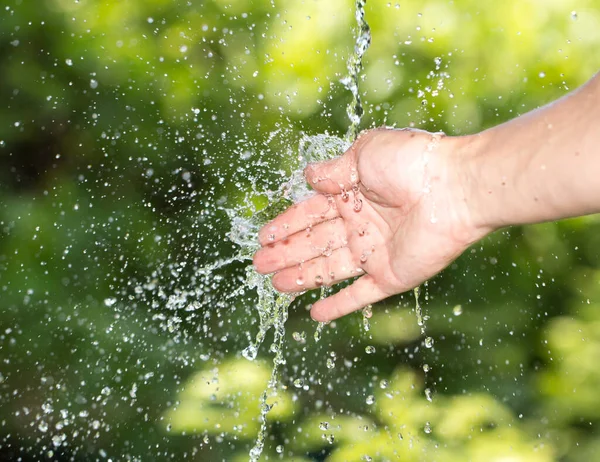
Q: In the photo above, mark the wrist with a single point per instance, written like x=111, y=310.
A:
x=468, y=167
x=454, y=168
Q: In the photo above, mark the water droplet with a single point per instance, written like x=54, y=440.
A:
x=574, y=15
x=428, y=394
x=344, y=193
x=370, y=350
x=370, y=399
x=318, y=331
x=426, y=368
x=93, y=84
x=327, y=251
x=318, y=280
x=358, y=205
x=279, y=449
x=299, y=337
x=266, y=408
x=69, y=61
x=330, y=439
x=250, y=352
x=427, y=428
x=271, y=237
x=43, y=426
x=330, y=363
x=428, y=342
x=300, y=281
x=384, y=384
x=457, y=310
x=365, y=320
x=363, y=258
x=368, y=311
x=255, y=452
x=299, y=383
x=57, y=440
x=324, y=426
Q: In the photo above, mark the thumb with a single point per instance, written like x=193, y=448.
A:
x=331, y=176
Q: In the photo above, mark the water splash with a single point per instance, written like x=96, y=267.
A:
x=273, y=308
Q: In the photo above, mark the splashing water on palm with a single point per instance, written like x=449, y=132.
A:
x=272, y=307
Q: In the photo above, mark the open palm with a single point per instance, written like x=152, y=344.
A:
x=389, y=211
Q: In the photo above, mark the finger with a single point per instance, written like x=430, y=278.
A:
x=301, y=247
x=321, y=271
x=364, y=291
x=299, y=216
x=334, y=176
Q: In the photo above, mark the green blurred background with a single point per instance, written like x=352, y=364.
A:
x=125, y=128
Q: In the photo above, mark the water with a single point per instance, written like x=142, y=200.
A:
x=273, y=307
x=355, y=64
x=419, y=309
x=126, y=313
x=427, y=342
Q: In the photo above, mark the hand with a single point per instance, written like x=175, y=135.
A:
x=391, y=211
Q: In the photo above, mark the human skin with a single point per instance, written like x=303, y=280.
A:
x=400, y=205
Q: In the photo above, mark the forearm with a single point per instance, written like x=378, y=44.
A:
x=542, y=166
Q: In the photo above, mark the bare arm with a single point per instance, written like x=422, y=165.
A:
x=542, y=166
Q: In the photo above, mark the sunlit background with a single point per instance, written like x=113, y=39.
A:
x=126, y=128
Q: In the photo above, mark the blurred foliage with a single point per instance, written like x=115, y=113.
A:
x=216, y=401
x=127, y=126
